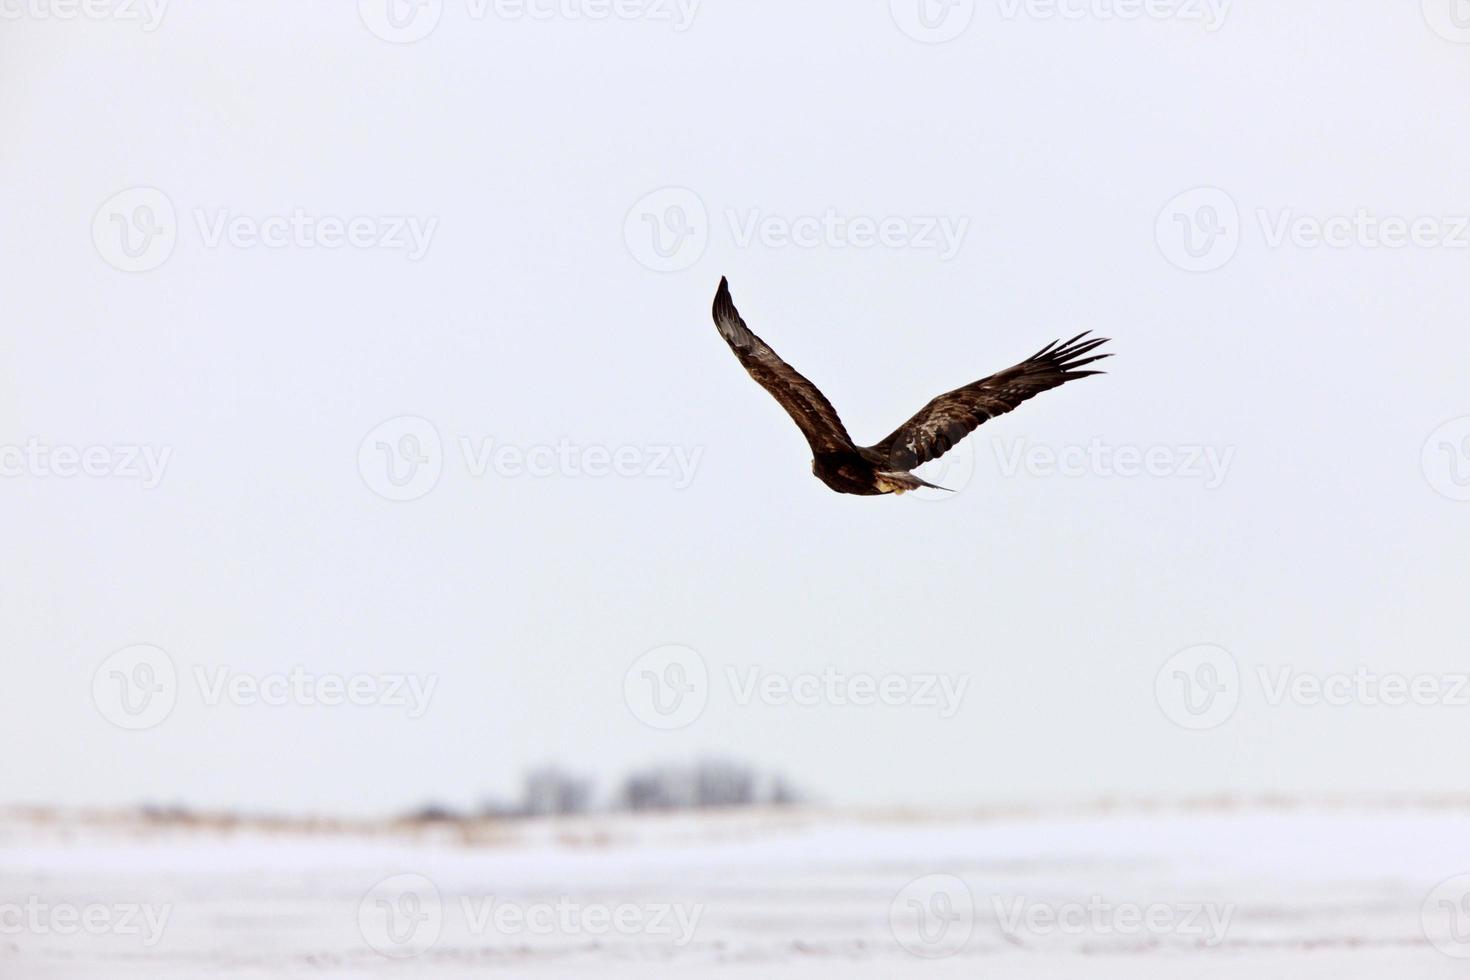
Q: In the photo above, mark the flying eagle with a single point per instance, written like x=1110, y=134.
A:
x=884, y=467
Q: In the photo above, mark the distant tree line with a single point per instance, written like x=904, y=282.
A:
x=552, y=791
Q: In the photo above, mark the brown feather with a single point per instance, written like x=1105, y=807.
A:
x=952, y=416
x=931, y=433
x=806, y=405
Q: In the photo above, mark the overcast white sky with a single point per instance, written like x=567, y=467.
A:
x=504, y=285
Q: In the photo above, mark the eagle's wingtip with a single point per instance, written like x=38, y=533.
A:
x=724, y=305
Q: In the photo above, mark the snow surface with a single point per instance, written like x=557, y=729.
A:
x=1301, y=893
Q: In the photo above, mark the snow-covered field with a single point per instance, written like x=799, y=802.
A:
x=1298, y=893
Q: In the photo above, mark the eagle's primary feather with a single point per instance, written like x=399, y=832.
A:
x=949, y=418
x=883, y=467
x=808, y=407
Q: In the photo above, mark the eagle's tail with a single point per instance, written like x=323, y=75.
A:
x=901, y=481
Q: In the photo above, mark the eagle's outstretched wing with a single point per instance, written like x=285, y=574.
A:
x=807, y=406
x=952, y=416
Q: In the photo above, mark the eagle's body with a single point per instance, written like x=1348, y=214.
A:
x=884, y=467
x=861, y=471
